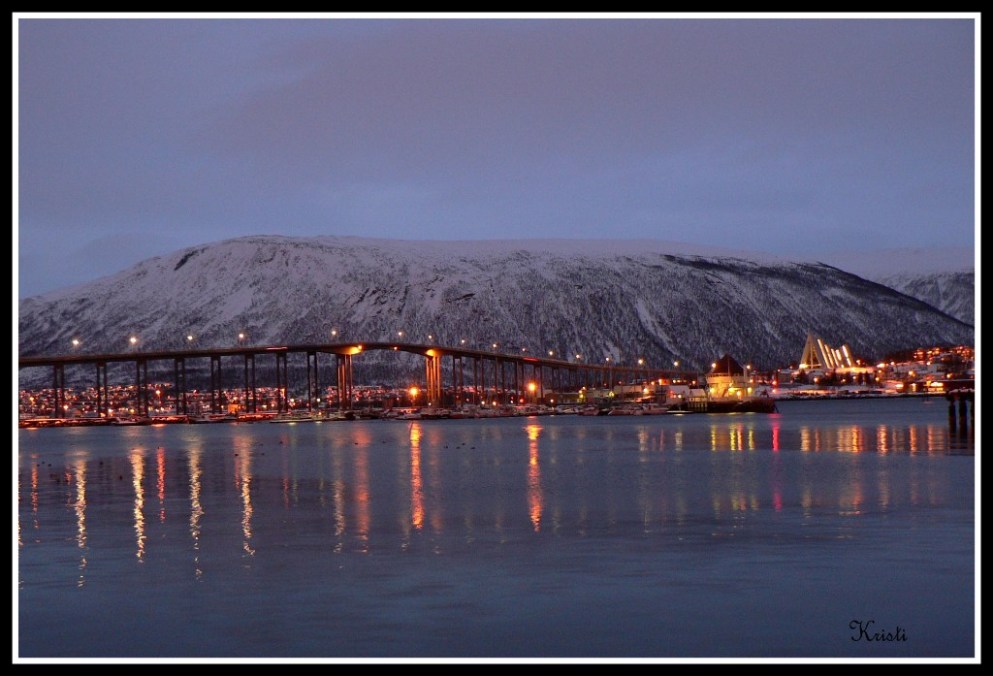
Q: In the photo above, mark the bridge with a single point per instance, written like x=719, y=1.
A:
x=506, y=374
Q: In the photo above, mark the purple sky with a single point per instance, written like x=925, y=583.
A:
x=138, y=137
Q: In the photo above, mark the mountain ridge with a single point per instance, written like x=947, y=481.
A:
x=619, y=299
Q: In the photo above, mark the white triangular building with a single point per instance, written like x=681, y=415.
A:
x=819, y=356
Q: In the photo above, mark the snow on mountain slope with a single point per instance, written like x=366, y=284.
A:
x=943, y=278
x=626, y=300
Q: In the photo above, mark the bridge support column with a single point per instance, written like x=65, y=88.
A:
x=503, y=381
x=457, y=379
x=344, y=381
x=215, y=384
x=251, y=395
x=432, y=367
x=282, y=384
x=141, y=380
x=311, y=380
x=59, y=387
x=179, y=385
x=475, y=381
x=103, y=403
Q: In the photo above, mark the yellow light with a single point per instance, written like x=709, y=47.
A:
x=532, y=387
x=413, y=391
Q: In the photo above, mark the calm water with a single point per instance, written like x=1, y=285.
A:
x=663, y=536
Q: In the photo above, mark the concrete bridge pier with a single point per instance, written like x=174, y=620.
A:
x=344, y=381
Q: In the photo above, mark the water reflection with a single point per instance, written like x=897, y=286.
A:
x=362, y=487
x=34, y=493
x=196, y=509
x=416, y=482
x=243, y=480
x=535, y=501
x=160, y=466
x=338, y=501
x=882, y=439
x=137, y=477
x=80, y=508
x=361, y=470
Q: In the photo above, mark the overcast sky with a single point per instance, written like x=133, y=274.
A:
x=138, y=137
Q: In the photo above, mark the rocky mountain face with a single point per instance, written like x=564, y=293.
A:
x=954, y=293
x=626, y=301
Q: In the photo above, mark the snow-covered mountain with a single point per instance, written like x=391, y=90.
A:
x=626, y=300
x=944, y=278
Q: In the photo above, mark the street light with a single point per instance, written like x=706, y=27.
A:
x=413, y=392
x=75, y=342
x=531, y=388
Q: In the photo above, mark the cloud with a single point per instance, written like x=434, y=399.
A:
x=782, y=132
